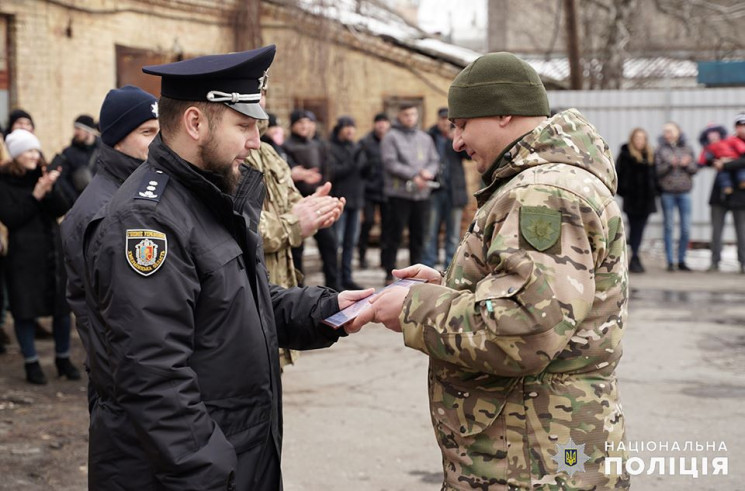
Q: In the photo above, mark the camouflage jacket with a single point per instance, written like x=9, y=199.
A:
x=524, y=334
x=279, y=228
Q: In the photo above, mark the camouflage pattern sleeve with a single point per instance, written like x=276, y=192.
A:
x=279, y=231
x=278, y=226
x=522, y=281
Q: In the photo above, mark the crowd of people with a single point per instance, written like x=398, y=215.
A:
x=666, y=172
x=180, y=254
x=395, y=166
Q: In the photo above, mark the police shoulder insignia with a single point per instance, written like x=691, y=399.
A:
x=152, y=185
x=540, y=226
x=146, y=250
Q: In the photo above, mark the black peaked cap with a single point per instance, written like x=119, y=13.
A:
x=240, y=73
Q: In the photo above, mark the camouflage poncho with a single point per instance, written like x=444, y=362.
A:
x=525, y=333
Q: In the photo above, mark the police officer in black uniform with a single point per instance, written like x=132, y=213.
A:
x=184, y=326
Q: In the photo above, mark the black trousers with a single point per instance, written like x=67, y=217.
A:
x=637, y=223
x=368, y=221
x=405, y=213
x=327, y=247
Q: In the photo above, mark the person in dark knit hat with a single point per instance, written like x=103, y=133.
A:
x=19, y=119
x=127, y=114
x=523, y=331
x=129, y=122
x=346, y=182
x=371, y=170
x=309, y=157
x=78, y=159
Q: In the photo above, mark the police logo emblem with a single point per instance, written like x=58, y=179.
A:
x=146, y=250
x=571, y=457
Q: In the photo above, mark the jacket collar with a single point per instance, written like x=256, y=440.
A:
x=116, y=164
x=195, y=180
x=490, y=177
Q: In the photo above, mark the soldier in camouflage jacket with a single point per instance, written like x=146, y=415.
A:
x=524, y=329
x=286, y=219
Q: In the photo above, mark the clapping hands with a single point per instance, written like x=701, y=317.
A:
x=46, y=182
x=318, y=210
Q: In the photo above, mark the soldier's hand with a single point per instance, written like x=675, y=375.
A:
x=349, y=297
x=315, y=212
x=420, y=182
x=385, y=307
x=420, y=272
x=323, y=190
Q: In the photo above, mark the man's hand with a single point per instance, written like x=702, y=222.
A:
x=349, y=297
x=426, y=175
x=301, y=174
x=420, y=182
x=314, y=212
x=419, y=272
x=385, y=307
x=340, y=202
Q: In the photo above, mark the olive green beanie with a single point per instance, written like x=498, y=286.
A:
x=497, y=84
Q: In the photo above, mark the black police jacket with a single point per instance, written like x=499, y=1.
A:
x=185, y=331
x=113, y=168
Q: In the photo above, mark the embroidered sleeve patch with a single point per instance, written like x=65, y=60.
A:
x=540, y=226
x=146, y=250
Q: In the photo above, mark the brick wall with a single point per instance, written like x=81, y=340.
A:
x=63, y=58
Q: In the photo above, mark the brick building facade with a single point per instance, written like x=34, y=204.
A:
x=62, y=56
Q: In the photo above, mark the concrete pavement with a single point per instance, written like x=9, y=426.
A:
x=356, y=415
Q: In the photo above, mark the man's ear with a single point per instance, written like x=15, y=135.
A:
x=504, y=120
x=195, y=123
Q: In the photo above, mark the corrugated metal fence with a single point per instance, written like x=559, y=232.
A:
x=616, y=113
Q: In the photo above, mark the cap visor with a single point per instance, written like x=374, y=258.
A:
x=251, y=110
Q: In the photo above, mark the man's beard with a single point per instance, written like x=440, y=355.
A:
x=225, y=177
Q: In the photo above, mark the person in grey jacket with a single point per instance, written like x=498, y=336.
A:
x=675, y=165
x=410, y=162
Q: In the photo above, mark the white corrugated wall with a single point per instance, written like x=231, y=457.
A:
x=616, y=113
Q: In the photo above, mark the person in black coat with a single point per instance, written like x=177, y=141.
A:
x=346, y=183
x=450, y=198
x=185, y=331
x=308, y=157
x=30, y=204
x=371, y=170
x=77, y=160
x=722, y=203
x=637, y=185
x=128, y=125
